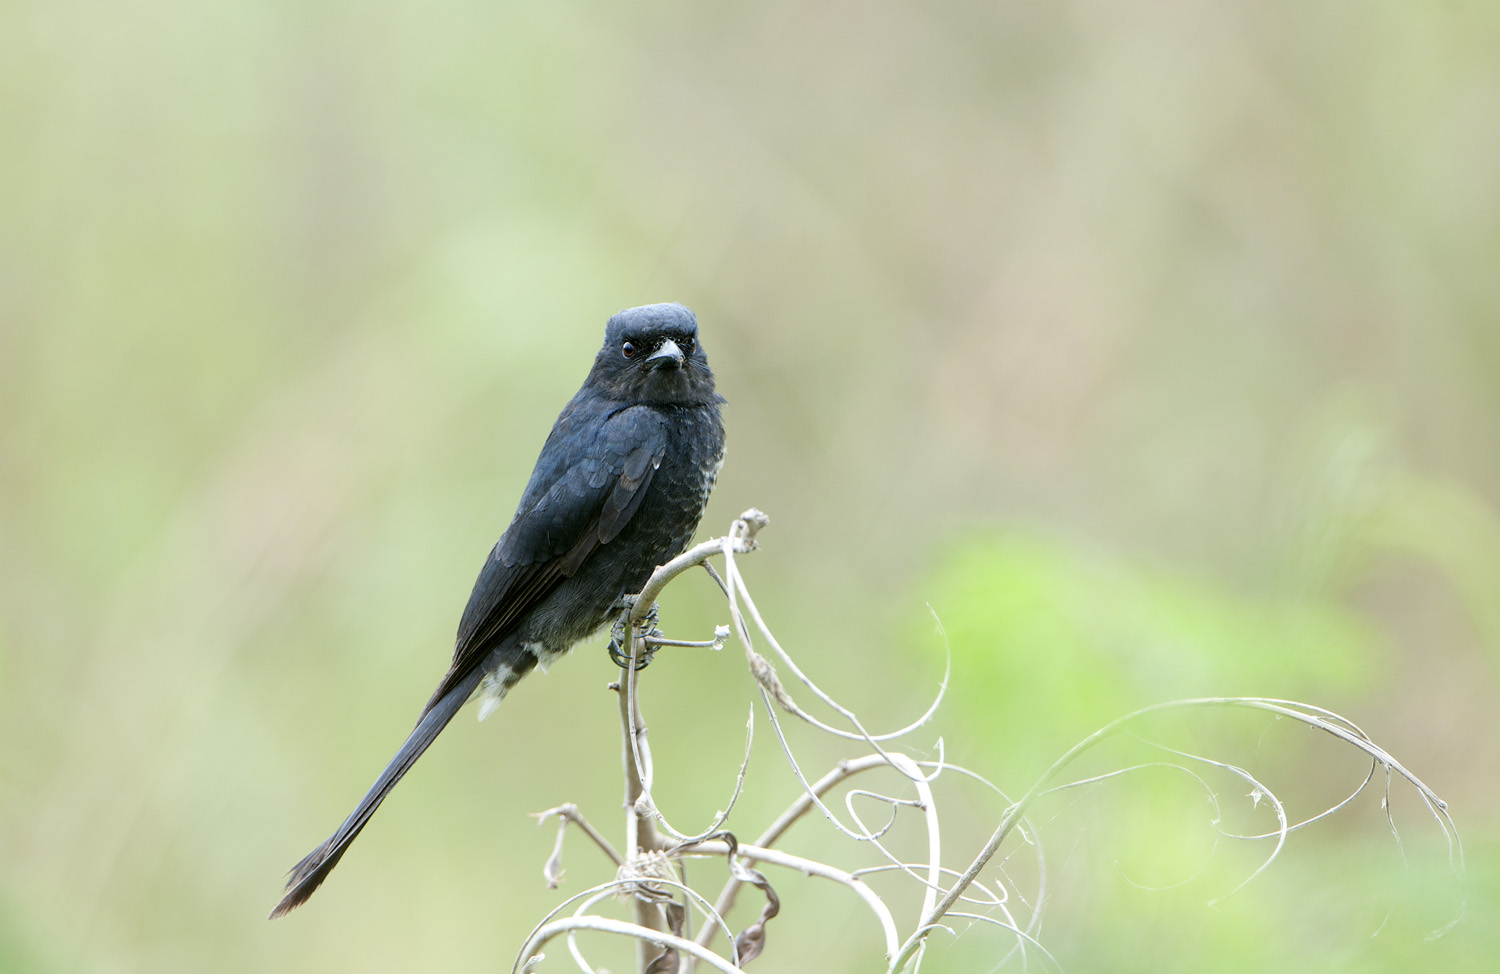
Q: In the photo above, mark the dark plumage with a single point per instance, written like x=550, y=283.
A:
x=618, y=489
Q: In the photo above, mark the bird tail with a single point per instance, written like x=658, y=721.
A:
x=309, y=874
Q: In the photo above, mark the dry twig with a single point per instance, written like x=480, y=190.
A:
x=648, y=869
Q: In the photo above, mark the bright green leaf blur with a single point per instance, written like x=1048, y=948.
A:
x=1051, y=643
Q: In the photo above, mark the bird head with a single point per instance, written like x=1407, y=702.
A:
x=651, y=355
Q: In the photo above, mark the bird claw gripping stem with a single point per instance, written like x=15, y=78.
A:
x=617, y=641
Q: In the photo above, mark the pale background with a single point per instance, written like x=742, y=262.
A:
x=1154, y=345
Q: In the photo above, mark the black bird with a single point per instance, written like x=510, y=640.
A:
x=618, y=489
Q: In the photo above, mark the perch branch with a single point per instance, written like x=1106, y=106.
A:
x=640, y=829
x=643, y=935
x=811, y=867
x=798, y=808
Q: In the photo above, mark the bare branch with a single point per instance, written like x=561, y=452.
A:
x=715, y=576
x=766, y=674
x=992, y=899
x=643, y=935
x=641, y=814
x=812, y=867
x=721, y=817
x=1325, y=720
x=721, y=633
x=649, y=871
x=799, y=808
x=741, y=539
x=1025, y=939
x=566, y=813
x=640, y=836
x=934, y=835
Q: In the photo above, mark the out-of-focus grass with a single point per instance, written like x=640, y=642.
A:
x=1159, y=341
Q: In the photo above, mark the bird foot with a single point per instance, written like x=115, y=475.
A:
x=618, y=641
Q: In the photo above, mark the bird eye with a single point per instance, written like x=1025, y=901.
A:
x=686, y=344
x=628, y=349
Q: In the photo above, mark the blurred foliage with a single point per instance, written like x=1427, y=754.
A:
x=1052, y=642
x=1054, y=638
x=1153, y=345
x=1447, y=526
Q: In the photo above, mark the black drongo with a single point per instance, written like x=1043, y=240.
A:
x=618, y=489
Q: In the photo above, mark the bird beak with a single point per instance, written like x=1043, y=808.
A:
x=669, y=356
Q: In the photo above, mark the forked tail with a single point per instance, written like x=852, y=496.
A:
x=309, y=874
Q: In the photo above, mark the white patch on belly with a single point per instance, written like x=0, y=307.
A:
x=493, y=688
x=544, y=659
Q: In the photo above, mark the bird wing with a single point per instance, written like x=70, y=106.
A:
x=588, y=484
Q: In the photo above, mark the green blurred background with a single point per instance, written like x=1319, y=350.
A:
x=1155, y=346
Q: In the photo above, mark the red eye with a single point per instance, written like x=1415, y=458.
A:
x=628, y=349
